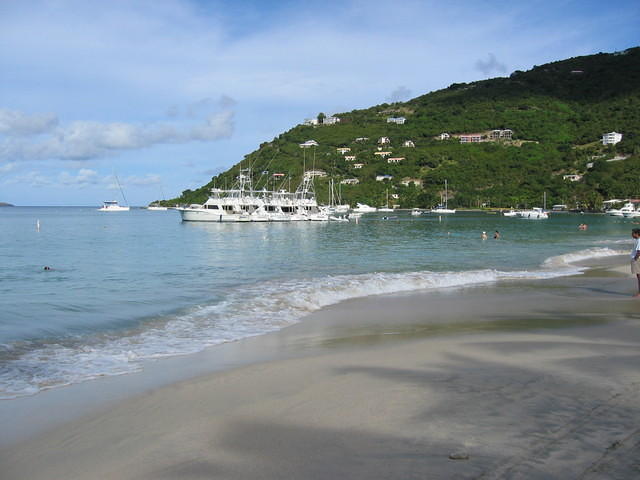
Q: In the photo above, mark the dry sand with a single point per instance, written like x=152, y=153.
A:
x=531, y=379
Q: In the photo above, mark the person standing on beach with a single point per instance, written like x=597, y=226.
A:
x=635, y=255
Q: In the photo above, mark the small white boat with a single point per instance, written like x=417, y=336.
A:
x=364, y=208
x=416, y=211
x=534, y=214
x=510, y=213
x=112, y=206
x=333, y=218
x=156, y=207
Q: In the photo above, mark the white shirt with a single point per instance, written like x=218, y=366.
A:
x=636, y=247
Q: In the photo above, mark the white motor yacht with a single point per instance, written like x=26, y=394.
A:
x=364, y=208
x=112, y=206
x=534, y=214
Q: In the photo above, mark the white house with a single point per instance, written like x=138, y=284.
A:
x=358, y=165
x=611, y=138
x=330, y=120
x=349, y=158
x=350, y=181
x=382, y=154
x=380, y=178
x=315, y=173
x=444, y=136
x=396, y=120
x=311, y=121
x=309, y=143
x=407, y=181
x=362, y=139
x=343, y=150
x=395, y=196
x=409, y=143
x=506, y=134
x=384, y=140
x=470, y=137
x=395, y=159
x=572, y=178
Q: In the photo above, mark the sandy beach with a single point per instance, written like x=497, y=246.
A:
x=526, y=379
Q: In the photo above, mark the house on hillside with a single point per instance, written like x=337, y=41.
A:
x=408, y=181
x=350, y=181
x=380, y=178
x=309, y=143
x=362, y=139
x=343, y=150
x=330, y=120
x=384, y=140
x=572, y=178
x=382, y=154
x=496, y=135
x=395, y=159
x=311, y=121
x=396, y=120
x=350, y=158
x=443, y=136
x=470, y=137
x=315, y=173
x=409, y=143
x=611, y=138
x=358, y=166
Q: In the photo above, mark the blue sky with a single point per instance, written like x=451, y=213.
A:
x=167, y=93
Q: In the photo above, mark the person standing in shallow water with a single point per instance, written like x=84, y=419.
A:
x=635, y=256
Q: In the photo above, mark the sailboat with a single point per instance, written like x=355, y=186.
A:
x=156, y=205
x=112, y=205
x=386, y=207
x=443, y=208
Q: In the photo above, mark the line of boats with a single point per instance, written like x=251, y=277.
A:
x=531, y=214
x=628, y=210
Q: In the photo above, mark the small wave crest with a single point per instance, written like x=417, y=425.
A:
x=568, y=259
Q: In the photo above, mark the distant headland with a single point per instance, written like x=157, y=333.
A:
x=3, y=204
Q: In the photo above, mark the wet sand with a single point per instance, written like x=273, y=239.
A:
x=526, y=379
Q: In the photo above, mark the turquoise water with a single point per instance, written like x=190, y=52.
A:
x=129, y=286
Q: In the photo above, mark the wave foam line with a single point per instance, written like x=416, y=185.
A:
x=248, y=311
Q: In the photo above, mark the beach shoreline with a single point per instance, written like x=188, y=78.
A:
x=516, y=375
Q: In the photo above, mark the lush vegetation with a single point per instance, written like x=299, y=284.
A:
x=557, y=112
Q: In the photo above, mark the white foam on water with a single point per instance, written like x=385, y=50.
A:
x=248, y=311
x=567, y=259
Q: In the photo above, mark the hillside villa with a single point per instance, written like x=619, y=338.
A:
x=358, y=166
x=315, y=173
x=396, y=120
x=611, y=138
x=343, y=150
x=350, y=181
x=380, y=178
x=395, y=159
x=408, y=181
x=382, y=154
x=409, y=143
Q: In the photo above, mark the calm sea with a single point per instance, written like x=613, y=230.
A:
x=129, y=286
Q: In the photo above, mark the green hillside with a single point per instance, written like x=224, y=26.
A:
x=557, y=113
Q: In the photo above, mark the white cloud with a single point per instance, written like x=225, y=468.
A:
x=84, y=177
x=491, y=66
x=85, y=140
x=20, y=123
x=400, y=94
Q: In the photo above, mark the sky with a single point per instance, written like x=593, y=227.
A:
x=165, y=94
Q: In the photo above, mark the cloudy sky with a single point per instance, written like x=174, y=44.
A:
x=167, y=93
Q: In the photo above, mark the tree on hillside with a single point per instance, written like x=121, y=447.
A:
x=321, y=117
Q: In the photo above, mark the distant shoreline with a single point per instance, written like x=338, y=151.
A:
x=3, y=204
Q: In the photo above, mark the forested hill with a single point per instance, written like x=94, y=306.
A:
x=556, y=115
